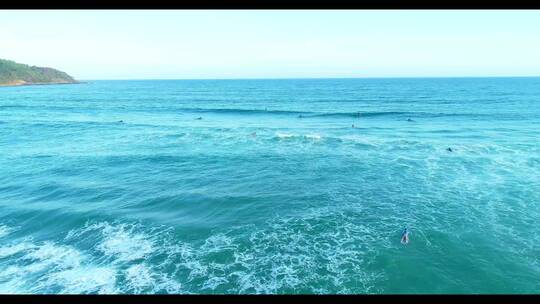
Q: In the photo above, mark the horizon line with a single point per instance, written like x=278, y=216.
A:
x=310, y=78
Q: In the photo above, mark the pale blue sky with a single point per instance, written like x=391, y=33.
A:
x=124, y=44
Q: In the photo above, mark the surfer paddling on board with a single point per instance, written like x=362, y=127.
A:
x=405, y=236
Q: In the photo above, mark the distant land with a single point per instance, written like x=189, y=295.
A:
x=16, y=74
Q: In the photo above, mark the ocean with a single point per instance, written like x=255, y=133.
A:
x=292, y=186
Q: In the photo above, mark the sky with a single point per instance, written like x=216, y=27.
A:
x=193, y=44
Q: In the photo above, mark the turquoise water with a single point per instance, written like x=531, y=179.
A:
x=163, y=202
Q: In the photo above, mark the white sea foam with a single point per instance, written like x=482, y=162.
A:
x=285, y=135
x=63, y=268
x=32, y=260
x=50, y=253
x=5, y=230
x=275, y=257
x=278, y=258
x=313, y=136
x=217, y=242
x=139, y=278
x=12, y=249
x=282, y=135
x=125, y=244
x=214, y=282
x=85, y=279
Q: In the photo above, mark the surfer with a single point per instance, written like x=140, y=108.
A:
x=121, y=121
x=405, y=236
x=409, y=120
x=199, y=118
x=449, y=149
x=353, y=126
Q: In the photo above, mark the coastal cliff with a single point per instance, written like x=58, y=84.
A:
x=16, y=74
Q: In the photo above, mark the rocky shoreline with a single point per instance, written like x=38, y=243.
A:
x=24, y=83
x=18, y=74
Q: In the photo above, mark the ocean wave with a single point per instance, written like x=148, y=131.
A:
x=5, y=230
x=114, y=262
x=298, y=114
x=242, y=111
x=286, y=135
x=310, y=114
x=362, y=114
x=282, y=135
x=281, y=256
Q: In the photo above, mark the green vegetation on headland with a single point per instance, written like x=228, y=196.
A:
x=14, y=74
